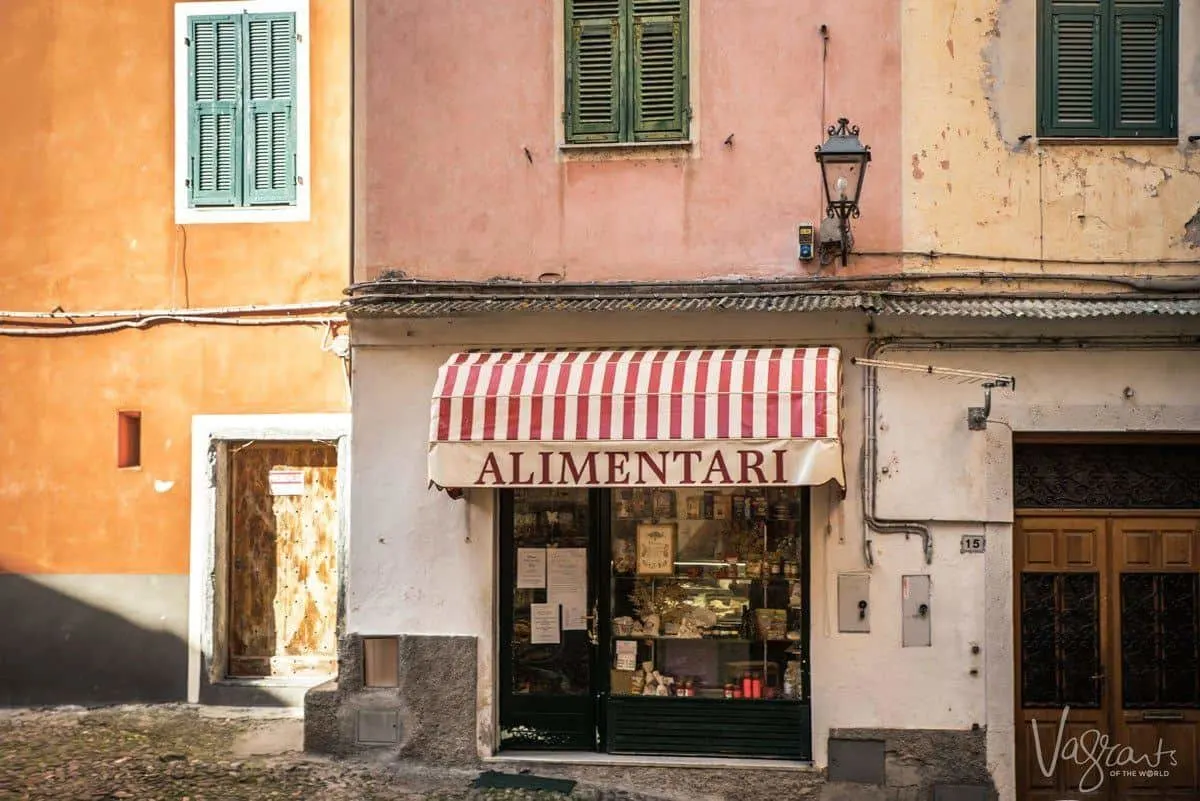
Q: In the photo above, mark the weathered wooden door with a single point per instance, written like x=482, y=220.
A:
x=283, y=524
x=1107, y=611
x=1156, y=659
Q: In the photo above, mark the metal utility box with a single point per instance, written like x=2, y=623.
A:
x=854, y=602
x=377, y=727
x=916, y=630
x=861, y=761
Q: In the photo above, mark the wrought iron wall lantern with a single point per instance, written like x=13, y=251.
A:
x=843, y=159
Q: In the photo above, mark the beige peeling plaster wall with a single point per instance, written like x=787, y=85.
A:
x=971, y=186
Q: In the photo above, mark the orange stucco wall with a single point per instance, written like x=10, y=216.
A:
x=87, y=222
x=454, y=92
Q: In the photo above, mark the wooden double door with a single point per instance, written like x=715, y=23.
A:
x=1107, y=619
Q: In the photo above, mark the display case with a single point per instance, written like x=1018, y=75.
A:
x=708, y=622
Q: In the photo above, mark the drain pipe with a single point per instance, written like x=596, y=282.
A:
x=872, y=524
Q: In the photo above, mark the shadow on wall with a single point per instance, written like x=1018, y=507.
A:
x=56, y=649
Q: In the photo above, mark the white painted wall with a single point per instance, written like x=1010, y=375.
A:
x=415, y=568
x=422, y=563
x=937, y=470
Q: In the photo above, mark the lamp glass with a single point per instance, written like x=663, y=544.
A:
x=843, y=182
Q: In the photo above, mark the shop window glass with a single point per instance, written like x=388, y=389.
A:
x=708, y=589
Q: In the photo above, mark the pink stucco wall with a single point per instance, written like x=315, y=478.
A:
x=453, y=91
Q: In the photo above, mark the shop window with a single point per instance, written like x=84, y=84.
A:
x=692, y=602
x=709, y=622
x=708, y=595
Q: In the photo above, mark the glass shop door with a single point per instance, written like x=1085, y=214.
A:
x=549, y=543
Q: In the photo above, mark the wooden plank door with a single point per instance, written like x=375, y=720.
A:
x=1156, y=683
x=1061, y=592
x=283, y=524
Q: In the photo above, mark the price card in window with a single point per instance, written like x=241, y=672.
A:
x=543, y=624
x=626, y=655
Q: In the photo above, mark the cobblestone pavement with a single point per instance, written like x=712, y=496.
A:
x=182, y=753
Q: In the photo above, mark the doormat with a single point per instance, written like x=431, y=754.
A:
x=493, y=780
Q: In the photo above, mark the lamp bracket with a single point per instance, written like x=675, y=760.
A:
x=977, y=416
x=836, y=239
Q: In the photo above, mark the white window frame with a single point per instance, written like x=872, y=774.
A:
x=301, y=211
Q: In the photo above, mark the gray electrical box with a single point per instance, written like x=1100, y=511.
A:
x=916, y=630
x=807, y=233
x=378, y=727
x=854, y=599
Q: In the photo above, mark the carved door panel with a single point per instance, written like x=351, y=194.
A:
x=1060, y=596
x=1156, y=620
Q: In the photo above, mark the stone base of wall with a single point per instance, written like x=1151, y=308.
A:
x=428, y=717
x=909, y=765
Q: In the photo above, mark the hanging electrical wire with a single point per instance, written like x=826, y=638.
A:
x=8, y=330
x=62, y=323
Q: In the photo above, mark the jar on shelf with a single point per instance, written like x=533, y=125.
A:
x=761, y=507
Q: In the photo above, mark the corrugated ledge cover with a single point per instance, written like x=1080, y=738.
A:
x=896, y=304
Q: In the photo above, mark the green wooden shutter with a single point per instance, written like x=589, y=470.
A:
x=1143, y=44
x=1071, y=100
x=270, y=157
x=660, y=96
x=593, y=61
x=215, y=120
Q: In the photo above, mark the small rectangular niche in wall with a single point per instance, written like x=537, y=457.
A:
x=381, y=662
x=129, y=439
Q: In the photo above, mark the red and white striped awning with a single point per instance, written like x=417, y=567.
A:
x=712, y=417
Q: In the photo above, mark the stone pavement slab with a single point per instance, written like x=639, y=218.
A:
x=187, y=753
